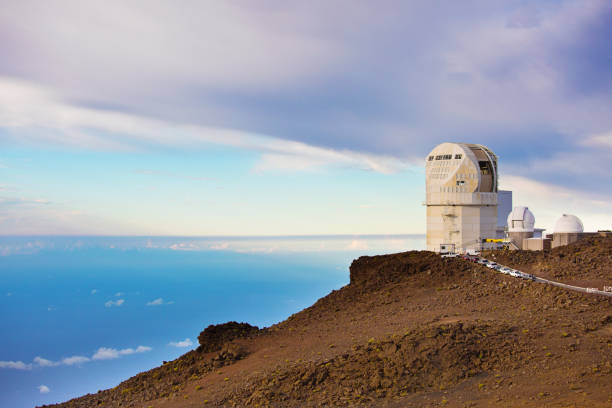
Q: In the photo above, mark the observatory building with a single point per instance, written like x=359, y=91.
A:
x=461, y=197
x=521, y=225
x=522, y=233
x=568, y=229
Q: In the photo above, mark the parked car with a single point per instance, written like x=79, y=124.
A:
x=505, y=270
x=491, y=265
x=450, y=255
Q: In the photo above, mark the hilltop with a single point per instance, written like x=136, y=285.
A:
x=410, y=330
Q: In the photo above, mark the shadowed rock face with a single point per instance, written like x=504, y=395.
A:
x=216, y=335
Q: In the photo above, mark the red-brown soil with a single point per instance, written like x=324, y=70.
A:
x=410, y=330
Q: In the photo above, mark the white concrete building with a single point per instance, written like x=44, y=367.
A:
x=461, y=196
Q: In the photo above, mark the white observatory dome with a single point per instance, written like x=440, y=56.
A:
x=521, y=219
x=568, y=224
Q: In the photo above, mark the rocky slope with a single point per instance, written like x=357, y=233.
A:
x=410, y=330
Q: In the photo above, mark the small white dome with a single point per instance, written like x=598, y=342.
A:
x=568, y=224
x=521, y=219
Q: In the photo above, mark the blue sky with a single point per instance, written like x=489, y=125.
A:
x=267, y=118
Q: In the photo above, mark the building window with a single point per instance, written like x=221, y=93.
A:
x=430, y=158
x=457, y=156
x=485, y=167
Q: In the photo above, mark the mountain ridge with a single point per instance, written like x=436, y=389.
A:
x=410, y=329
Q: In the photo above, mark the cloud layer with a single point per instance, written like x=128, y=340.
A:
x=349, y=84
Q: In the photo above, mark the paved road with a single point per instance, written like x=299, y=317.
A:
x=576, y=288
x=565, y=286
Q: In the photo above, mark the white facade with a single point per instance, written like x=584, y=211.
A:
x=461, y=196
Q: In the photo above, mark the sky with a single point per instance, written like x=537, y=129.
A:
x=294, y=118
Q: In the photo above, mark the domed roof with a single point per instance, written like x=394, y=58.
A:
x=568, y=224
x=521, y=219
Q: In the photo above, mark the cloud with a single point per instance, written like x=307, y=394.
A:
x=600, y=140
x=43, y=389
x=94, y=291
x=43, y=362
x=25, y=216
x=112, y=303
x=548, y=202
x=159, y=302
x=183, y=343
x=529, y=79
x=105, y=353
x=498, y=73
x=67, y=361
x=75, y=360
x=118, y=294
x=33, y=107
x=17, y=365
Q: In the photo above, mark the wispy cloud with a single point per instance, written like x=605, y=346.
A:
x=17, y=365
x=43, y=362
x=599, y=140
x=159, y=302
x=112, y=303
x=43, y=389
x=94, y=291
x=75, y=360
x=183, y=343
x=32, y=106
x=105, y=353
x=548, y=202
x=67, y=361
